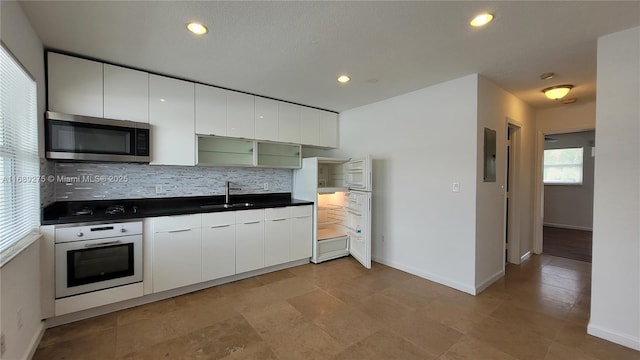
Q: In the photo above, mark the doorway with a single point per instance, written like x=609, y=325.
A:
x=512, y=207
x=567, y=169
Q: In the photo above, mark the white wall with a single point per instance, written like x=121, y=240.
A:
x=571, y=206
x=496, y=107
x=20, y=278
x=421, y=143
x=615, y=288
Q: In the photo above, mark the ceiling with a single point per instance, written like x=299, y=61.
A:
x=295, y=50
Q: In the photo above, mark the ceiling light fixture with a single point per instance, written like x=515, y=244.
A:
x=344, y=79
x=481, y=19
x=557, y=92
x=569, y=101
x=197, y=28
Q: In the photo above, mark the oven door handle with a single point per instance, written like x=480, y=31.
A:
x=106, y=243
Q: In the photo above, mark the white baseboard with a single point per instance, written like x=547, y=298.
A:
x=485, y=284
x=525, y=257
x=469, y=289
x=570, y=227
x=35, y=341
x=609, y=335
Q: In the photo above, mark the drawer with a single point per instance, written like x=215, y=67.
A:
x=277, y=213
x=177, y=222
x=218, y=218
x=245, y=216
x=327, y=246
x=301, y=211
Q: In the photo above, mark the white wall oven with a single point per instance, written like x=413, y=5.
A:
x=91, y=257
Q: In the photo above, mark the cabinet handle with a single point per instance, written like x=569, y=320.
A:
x=252, y=222
x=303, y=217
x=106, y=243
x=178, y=230
x=279, y=219
x=219, y=226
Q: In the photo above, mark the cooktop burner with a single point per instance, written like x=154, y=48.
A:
x=83, y=211
x=115, y=210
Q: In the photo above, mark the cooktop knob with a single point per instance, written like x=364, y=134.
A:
x=80, y=234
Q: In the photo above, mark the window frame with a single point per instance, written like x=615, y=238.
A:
x=560, y=183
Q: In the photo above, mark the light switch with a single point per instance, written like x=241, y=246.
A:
x=455, y=187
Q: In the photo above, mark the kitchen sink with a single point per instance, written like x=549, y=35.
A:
x=225, y=206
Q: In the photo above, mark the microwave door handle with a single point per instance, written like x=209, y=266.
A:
x=106, y=243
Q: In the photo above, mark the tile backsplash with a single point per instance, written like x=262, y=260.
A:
x=95, y=181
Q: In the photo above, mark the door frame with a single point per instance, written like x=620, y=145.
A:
x=538, y=198
x=515, y=202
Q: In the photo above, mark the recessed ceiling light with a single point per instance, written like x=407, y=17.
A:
x=162, y=100
x=344, y=79
x=197, y=28
x=481, y=19
x=557, y=92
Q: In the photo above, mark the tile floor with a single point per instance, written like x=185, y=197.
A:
x=339, y=310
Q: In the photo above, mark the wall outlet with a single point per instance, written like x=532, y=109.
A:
x=3, y=345
x=266, y=186
x=159, y=189
x=19, y=317
x=455, y=187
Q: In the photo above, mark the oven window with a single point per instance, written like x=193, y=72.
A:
x=88, y=138
x=88, y=266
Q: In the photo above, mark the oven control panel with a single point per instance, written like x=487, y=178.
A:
x=97, y=231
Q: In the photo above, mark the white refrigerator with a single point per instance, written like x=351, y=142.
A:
x=341, y=190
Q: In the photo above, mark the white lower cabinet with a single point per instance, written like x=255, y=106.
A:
x=249, y=240
x=188, y=249
x=301, y=232
x=177, y=259
x=277, y=236
x=218, y=245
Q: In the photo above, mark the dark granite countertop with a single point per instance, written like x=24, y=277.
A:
x=60, y=212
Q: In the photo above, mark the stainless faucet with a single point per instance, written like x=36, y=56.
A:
x=227, y=189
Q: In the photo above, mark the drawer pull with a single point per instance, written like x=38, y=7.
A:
x=178, y=230
x=219, y=226
x=252, y=222
x=279, y=219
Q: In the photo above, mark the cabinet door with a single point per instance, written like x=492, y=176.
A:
x=249, y=245
x=328, y=134
x=301, y=233
x=74, y=85
x=211, y=110
x=266, y=119
x=126, y=94
x=171, y=116
x=240, y=113
x=218, y=251
x=177, y=259
x=309, y=126
x=289, y=122
x=277, y=236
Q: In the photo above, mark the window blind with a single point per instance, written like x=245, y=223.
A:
x=19, y=162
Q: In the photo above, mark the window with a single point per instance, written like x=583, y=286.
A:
x=563, y=166
x=19, y=162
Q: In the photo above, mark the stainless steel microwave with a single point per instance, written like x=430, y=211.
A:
x=74, y=137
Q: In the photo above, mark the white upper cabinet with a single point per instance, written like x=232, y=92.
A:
x=126, y=94
x=289, y=122
x=309, y=126
x=74, y=85
x=171, y=116
x=328, y=134
x=240, y=113
x=211, y=110
x=266, y=119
